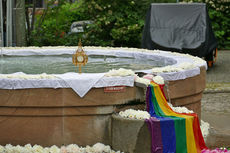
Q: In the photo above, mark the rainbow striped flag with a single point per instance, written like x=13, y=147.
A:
x=171, y=132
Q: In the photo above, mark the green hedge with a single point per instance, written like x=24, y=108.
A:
x=116, y=23
x=219, y=12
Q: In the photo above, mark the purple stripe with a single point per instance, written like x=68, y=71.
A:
x=155, y=131
x=156, y=127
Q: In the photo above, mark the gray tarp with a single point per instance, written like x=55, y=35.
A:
x=179, y=27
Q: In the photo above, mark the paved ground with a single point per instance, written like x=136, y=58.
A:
x=216, y=100
x=220, y=72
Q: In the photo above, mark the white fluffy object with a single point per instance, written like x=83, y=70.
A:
x=135, y=114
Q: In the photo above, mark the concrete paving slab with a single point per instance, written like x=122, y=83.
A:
x=216, y=101
x=220, y=72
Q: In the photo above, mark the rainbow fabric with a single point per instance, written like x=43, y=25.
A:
x=171, y=132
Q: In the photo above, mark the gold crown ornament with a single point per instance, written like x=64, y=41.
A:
x=79, y=58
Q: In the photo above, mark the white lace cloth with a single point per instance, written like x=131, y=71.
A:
x=80, y=83
x=182, y=74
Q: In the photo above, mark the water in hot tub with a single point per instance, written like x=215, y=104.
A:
x=59, y=64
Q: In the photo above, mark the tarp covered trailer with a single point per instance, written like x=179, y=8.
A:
x=180, y=27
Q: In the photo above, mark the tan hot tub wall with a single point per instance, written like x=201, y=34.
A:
x=59, y=116
x=188, y=92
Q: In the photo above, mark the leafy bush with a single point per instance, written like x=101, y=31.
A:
x=117, y=23
x=219, y=12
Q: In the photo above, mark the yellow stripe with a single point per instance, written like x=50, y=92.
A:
x=191, y=144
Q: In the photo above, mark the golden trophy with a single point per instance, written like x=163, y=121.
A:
x=79, y=58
